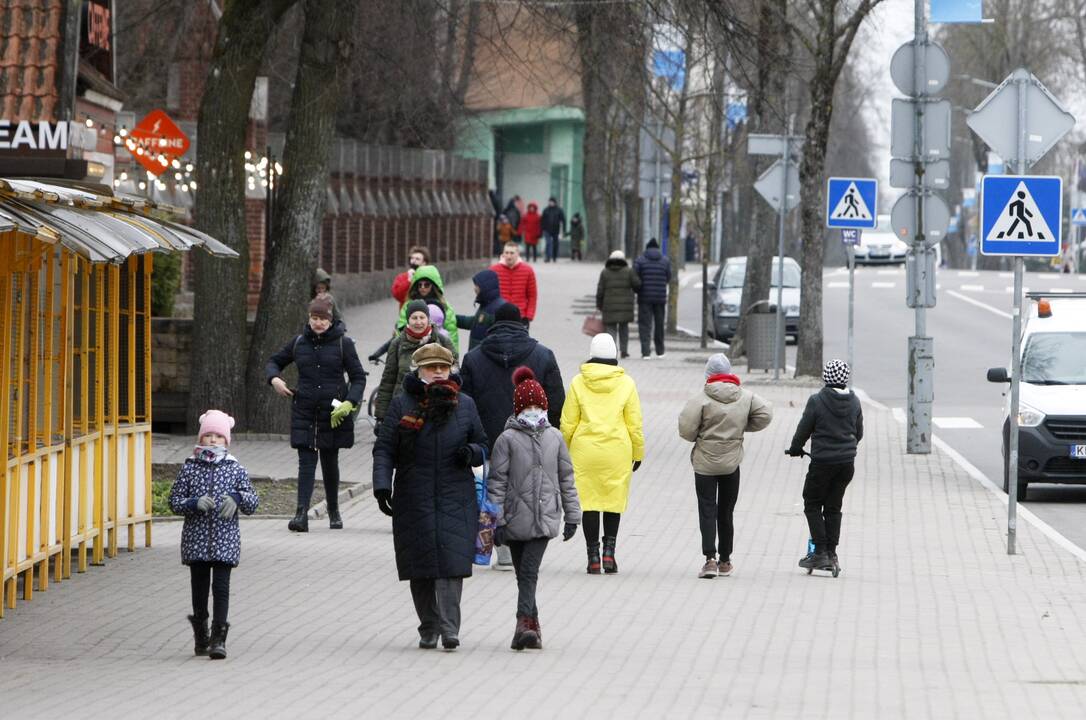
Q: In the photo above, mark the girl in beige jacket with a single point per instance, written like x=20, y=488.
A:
x=715, y=421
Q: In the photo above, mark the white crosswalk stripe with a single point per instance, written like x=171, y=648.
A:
x=883, y=284
x=973, y=288
x=956, y=423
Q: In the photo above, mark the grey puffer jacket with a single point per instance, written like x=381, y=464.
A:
x=531, y=481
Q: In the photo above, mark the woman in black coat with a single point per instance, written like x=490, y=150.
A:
x=323, y=354
x=429, y=440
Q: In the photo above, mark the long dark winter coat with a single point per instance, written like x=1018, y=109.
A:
x=322, y=361
x=434, y=510
x=655, y=271
x=487, y=374
x=531, y=480
x=489, y=300
x=206, y=537
x=615, y=291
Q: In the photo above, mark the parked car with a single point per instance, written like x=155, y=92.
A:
x=881, y=246
x=727, y=290
x=1052, y=393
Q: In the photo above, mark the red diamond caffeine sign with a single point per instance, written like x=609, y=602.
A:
x=156, y=141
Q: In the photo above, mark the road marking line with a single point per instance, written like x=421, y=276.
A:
x=956, y=423
x=1006, y=274
x=968, y=273
x=1056, y=291
x=894, y=271
x=883, y=284
x=837, y=284
x=979, y=304
x=974, y=472
x=973, y=288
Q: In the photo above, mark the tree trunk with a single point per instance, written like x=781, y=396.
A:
x=676, y=250
x=769, y=109
x=596, y=121
x=291, y=257
x=221, y=286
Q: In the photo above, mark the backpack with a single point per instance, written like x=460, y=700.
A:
x=357, y=408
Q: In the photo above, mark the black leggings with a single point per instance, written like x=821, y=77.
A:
x=590, y=521
x=307, y=472
x=200, y=577
x=531, y=252
x=717, y=495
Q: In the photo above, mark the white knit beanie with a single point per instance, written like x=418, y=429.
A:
x=617, y=255
x=718, y=364
x=603, y=347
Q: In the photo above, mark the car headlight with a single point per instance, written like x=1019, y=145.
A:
x=729, y=309
x=1029, y=416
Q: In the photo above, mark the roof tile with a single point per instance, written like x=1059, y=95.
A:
x=30, y=33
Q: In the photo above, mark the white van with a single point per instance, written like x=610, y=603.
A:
x=1052, y=394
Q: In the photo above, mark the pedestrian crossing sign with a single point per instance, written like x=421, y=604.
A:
x=1021, y=215
x=1078, y=216
x=852, y=203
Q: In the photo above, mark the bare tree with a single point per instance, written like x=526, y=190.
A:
x=291, y=256
x=221, y=287
x=834, y=31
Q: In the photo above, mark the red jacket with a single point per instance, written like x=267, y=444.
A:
x=401, y=285
x=518, y=286
x=531, y=227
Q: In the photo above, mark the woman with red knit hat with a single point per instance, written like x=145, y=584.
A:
x=531, y=482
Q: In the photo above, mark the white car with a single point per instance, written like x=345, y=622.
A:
x=880, y=246
x=1052, y=393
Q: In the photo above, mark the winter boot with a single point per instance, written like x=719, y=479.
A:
x=524, y=635
x=300, y=521
x=814, y=561
x=335, y=522
x=609, y=565
x=199, y=634
x=593, y=558
x=537, y=644
x=218, y=640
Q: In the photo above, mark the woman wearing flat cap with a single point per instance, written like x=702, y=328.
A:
x=430, y=438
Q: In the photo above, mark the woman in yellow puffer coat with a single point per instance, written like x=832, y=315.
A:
x=601, y=421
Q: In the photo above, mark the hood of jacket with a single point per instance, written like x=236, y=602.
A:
x=335, y=332
x=489, y=287
x=431, y=273
x=838, y=403
x=653, y=254
x=615, y=263
x=507, y=344
x=320, y=275
x=723, y=392
x=600, y=378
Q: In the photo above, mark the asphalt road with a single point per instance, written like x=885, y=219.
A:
x=971, y=326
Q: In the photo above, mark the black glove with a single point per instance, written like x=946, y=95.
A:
x=463, y=456
x=569, y=531
x=373, y=358
x=499, y=535
x=637, y=464
x=794, y=452
x=377, y=428
x=384, y=501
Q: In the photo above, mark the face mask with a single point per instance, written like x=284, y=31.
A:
x=532, y=418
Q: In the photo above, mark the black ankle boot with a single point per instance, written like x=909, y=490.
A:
x=593, y=558
x=335, y=522
x=609, y=564
x=199, y=634
x=300, y=521
x=217, y=651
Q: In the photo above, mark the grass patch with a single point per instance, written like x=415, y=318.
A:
x=277, y=497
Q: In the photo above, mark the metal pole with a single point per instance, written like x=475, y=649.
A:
x=918, y=427
x=1016, y=339
x=778, y=346
x=851, y=304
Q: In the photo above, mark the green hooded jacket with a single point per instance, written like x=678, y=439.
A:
x=430, y=272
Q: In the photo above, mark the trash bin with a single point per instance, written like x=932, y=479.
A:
x=761, y=324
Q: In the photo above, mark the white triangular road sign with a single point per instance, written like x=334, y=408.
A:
x=1020, y=219
x=1079, y=216
x=851, y=206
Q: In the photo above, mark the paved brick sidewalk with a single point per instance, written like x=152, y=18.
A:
x=930, y=618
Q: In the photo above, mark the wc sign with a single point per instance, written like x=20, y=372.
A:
x=28, y=138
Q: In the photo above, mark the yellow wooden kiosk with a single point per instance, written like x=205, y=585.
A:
x=75, y=421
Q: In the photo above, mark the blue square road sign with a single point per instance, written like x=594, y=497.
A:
x=852, y=203
x=1021, y=215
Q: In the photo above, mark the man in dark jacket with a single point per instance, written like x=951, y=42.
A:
x=553, y=224
x=487, y=377
x=489, y=298
x=654, y=269
x=834, y=422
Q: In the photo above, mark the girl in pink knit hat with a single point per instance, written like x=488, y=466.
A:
x=210, y=489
